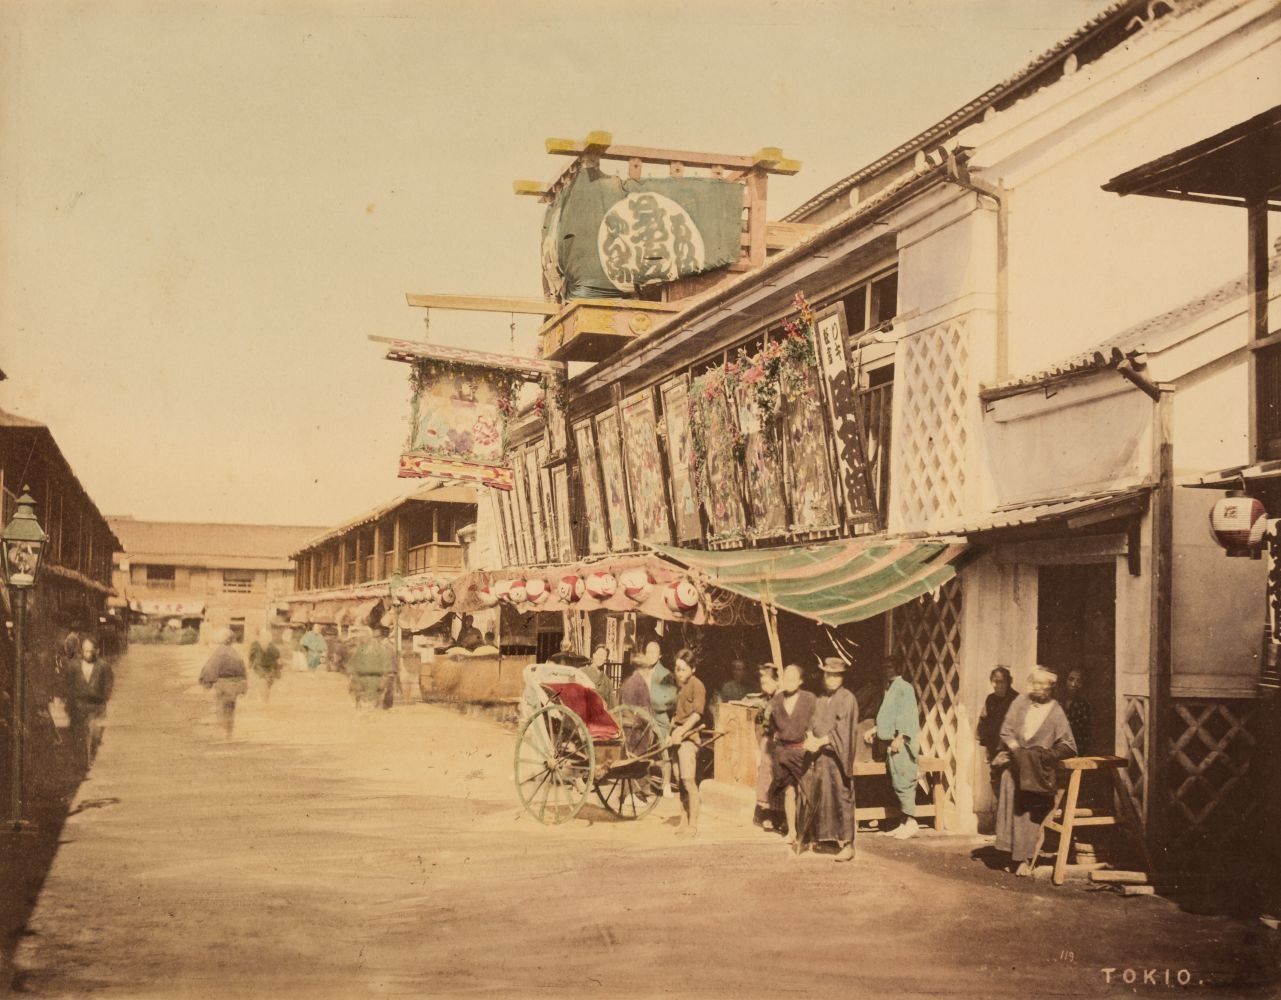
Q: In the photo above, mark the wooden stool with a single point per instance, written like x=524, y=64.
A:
x=930, y=769
x=1065, y=817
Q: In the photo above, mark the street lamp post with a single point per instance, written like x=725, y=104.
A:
x=22, y=545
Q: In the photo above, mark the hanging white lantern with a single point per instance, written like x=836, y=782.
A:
x=1238, y=523
x=570, y=589
x=636, y=582
x=601, y=586
x=500, y=589
x=536, y=590
x=516, y=593
x=447, y=597
x=486, y=597
x=680, y=596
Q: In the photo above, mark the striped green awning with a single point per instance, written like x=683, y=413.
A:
x=834, y=582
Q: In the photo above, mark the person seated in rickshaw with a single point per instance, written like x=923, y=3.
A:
x=687, y=720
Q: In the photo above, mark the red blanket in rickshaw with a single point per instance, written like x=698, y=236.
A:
x=588, y=705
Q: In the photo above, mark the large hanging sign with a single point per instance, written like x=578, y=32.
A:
x=833, y=357
x=459, y=409
x=607, y=236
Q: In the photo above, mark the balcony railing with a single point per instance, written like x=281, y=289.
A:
x=434, y=556
x=875, y=407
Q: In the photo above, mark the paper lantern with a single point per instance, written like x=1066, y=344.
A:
x=500, y=589
x=601, y=586
x=570, y=589
x=536, y=590
x=516, y=593
x=486, y=597
x=636, y=583
x=1238, y=523
x=680, y=596
x=447, y=597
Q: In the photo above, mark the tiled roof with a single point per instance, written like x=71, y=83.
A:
x=186, y=543
x=431, y=494
x=1120, y=14
x=1052, y=509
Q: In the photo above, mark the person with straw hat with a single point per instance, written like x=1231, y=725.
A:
x=828, y=788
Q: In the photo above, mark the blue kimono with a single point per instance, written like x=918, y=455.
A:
x=898, y=717
x=662, y=696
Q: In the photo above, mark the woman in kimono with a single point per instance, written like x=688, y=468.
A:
x=1035, y=737
x=828, y=789
x=790, y=715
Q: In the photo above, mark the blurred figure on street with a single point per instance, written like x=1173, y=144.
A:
x=368, y=666
x=224, y=673
x=662, y=699
x=595, y=670
x=315, y=647
x=89, y=684
x=735, y=689
x=768, y=813
x=264, y=660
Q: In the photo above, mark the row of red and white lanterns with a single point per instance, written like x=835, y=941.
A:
x=680, y=596
x=431, y=592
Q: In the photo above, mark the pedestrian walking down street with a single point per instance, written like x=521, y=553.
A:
x=224, y=673
x=369, y=665
x=315, y=647
x=828, y=787
x=898, y=728
x=264, y=660
x=89, y=684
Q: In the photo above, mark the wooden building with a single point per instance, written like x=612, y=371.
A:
x=1028, y=369
x=206, y=576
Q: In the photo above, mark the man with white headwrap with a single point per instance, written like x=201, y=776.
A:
x=1035, y=736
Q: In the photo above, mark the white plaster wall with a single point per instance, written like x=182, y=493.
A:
x=1084, y=263
x=1211, y=419
x=1090, y=435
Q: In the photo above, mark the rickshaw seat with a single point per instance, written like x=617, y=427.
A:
x=589, y=706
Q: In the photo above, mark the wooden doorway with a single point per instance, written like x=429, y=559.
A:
x=1076, y=629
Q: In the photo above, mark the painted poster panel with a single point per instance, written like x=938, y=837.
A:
x=719, y=482
x=594, y=509
x=550, y=514
x=762, y=468
x=645, y=468
x=508, y=499
x=554, y=418
x=613, y=481
x=524, y=542
x=680, y=454
x=456, y=423
x=809, y=481
x=564, y=525
x=833, y=358
x=500, y=525
x=536, y=523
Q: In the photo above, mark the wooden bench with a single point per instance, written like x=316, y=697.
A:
x=929, y=768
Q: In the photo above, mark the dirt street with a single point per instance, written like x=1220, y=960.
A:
x=326, y=853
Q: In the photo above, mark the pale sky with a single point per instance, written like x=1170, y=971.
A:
x=207, y=207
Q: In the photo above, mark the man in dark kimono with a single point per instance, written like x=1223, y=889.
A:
x=1034, y=737
x=828, y=788
x=224, y=672
x=89, y=683
x=791, y=712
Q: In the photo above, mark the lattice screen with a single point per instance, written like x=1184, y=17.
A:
x=1211, y=793
x=1134, y=728
x=930, y=442
x=927, y=633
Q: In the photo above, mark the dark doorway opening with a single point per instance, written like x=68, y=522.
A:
x=1076, y=629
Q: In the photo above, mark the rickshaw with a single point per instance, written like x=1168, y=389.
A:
x=570, y=744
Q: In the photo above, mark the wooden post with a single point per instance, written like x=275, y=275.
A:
x=358, y=571
x=1257, y=306
x=379, y=572
x=1160, y=641
x=771, y=629
x=398, y=545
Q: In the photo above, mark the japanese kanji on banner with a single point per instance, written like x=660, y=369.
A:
x=606, y=236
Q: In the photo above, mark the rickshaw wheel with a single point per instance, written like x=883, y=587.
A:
x=631, y=793
x=554, y=763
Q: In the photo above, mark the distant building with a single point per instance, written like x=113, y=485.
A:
x=207, y=576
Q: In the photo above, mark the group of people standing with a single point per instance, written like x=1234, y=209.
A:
x=808, y=749
x=1026, y=735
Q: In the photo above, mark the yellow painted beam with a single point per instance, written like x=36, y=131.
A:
x=484, y=303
